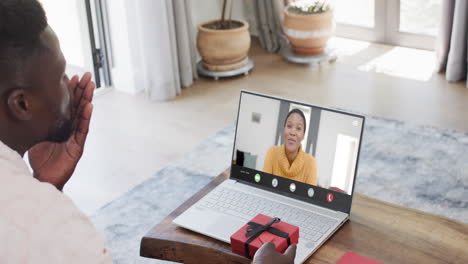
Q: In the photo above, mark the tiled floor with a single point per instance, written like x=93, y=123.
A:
x=131, y=138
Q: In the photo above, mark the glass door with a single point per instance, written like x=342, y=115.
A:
x=75, y=23
x=414, y=23
x=359, y=19
x=411, y=23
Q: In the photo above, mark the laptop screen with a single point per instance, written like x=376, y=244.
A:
x=299, y=150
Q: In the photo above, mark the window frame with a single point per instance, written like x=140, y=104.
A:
x=386, y=28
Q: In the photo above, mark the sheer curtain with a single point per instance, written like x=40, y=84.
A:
x=166, y=57
x=269, y=16
x=452, y=42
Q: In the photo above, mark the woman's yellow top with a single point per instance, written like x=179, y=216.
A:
x=303, y=168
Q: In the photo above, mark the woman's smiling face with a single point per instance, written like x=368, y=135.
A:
x=293, y=132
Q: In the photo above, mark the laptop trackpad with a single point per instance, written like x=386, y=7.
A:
x=210, y=223
x=226, y=226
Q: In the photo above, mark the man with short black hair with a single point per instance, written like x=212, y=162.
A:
x=44, y=113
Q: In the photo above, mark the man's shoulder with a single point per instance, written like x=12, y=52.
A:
x=48, y=226
x=26, y=201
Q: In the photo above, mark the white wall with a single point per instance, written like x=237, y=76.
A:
x=332, y=124
x=256, y=138
x=68, y=20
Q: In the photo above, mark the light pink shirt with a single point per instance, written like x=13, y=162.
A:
x=39, y=224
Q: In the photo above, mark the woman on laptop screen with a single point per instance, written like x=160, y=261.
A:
x=289, y=160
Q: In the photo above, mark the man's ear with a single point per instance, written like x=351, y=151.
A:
x=19, y=105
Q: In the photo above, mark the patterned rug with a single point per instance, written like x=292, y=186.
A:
x=421, y=167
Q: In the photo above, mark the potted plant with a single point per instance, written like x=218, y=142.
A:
x=224, y=43
x=308, y=24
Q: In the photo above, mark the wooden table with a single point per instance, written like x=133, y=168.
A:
x=381, y=231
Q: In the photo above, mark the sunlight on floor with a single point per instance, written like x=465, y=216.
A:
x=408, y=63
x=402, y=62
x=348, y=47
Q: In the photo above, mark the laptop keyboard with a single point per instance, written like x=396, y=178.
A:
x=240, y=204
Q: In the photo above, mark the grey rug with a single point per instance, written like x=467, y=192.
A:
x=415, y=166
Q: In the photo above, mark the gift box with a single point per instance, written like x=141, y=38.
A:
x=260, y=230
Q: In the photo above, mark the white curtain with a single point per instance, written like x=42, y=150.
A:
x=452, y=42
x=268, y=15
x=167, y=55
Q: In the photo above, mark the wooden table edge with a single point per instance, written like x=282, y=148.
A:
x=166, y=244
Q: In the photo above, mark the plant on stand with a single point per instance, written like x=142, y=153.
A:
x=224, y=43
x=308, y=24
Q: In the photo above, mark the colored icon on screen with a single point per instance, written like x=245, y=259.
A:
x=274, y=182
x=329, y=197
x=292, y=187
x=257, y=177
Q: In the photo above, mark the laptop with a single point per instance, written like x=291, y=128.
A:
x=303, y=173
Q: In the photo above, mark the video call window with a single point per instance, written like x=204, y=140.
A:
x=303, y=143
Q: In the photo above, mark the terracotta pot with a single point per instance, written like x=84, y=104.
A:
x=223, y=49
x=308, y=34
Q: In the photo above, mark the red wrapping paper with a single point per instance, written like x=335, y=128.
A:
x=353, y=258
x=239, y=238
